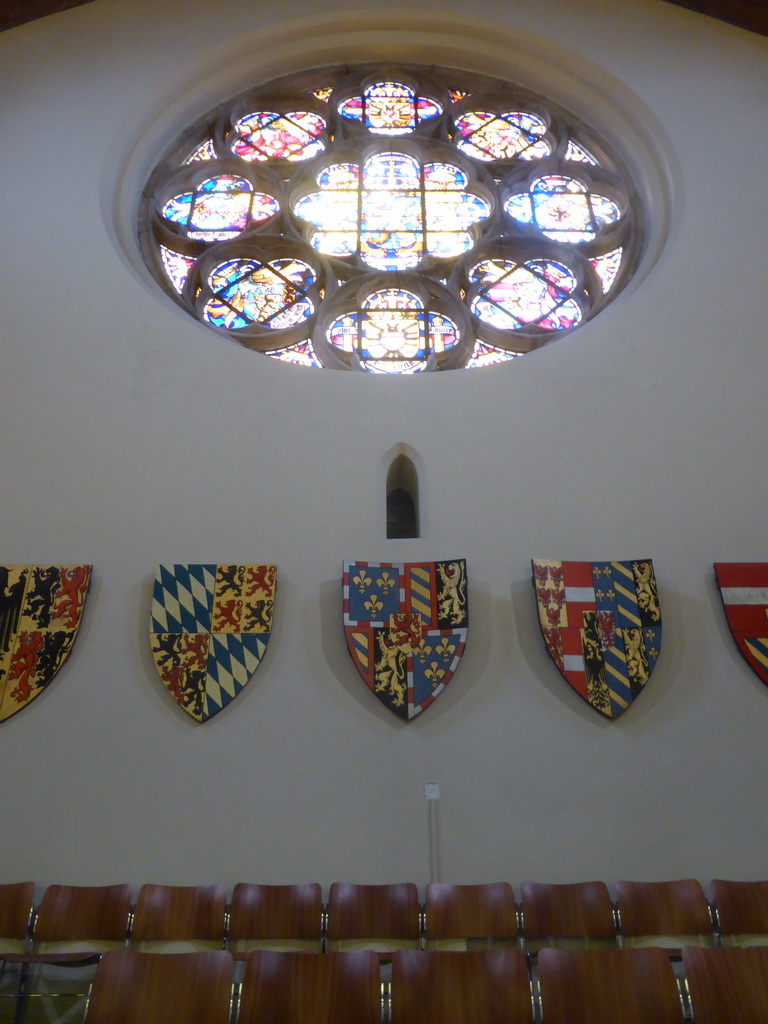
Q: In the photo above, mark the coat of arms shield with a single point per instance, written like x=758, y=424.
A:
x=601, y=624
x=406, y=628
x=40, y=611
x=209, y=629
x=744, y=590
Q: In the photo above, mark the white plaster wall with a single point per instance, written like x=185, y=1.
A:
x=132, y=436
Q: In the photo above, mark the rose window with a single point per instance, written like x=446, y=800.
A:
x=390, y=220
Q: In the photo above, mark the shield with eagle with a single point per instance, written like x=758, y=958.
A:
x=210, y=626
x=602, y=627
x=406, y=628
x=41, y=607
x=744, y=590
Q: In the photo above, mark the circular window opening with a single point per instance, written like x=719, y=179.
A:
x=391, y=219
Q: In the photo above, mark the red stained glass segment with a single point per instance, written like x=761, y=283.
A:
x=265, y=135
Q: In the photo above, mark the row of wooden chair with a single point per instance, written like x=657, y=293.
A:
x=74, y=920
x=637, y=986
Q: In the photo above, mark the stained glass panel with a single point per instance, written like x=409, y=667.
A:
x=386, y=172
x=391, y=250
x=219, y=208
x=343, y=332
x=398, y=366
x=389, y=211
x=269, y=294
x=488, y=136
x=392, y=332
x=486, y=355
x=452, y=211
x=264, y=135
x=335, y=243
x=607, y=267
x=514, y=295
x=392, y=324
x=443, y=332
x=389, y=108
x=563, y=209
x=578, y=153
x=440, y=177
x=339, y=176
x=177, y=266
x=392, y=298
x=205, y=151
x=300, y=355
x=394, y=366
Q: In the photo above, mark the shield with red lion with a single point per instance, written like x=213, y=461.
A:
x=406, y=628
x=40, y=611
x=602, y=627
x=744, y=590
x=209, y=629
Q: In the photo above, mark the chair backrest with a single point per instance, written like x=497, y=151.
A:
x=742, y=912
x=82, y=919
x=179, y=918
x=147, y=988
x=603, y=986
x=465, y=917
x=727, y=986
x=576, y=915
x=297, y=988
x=378, y=917
x=15, y=913
x=668, y=914
x=475, y=987
x=287, y=917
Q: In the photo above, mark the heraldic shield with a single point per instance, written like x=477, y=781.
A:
x=744, y=590
x=210, y=627
x=40, y=611
x=602, y=626
x=406, y=627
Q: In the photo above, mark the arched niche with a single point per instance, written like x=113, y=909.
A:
x=402, y=498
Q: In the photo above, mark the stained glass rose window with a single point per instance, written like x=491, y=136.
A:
x=391, y=220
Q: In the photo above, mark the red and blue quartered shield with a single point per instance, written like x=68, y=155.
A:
x=744, y=590
x=406, y=627
x=40, y=611
x=209, y=629
x=602, y=626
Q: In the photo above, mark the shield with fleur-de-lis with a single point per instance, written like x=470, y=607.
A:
x=209, y=629
x=602, y=627
x=744, y=590
x=41, y=607
x=406, y=627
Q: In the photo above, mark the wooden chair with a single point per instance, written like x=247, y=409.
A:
x=15, y=919
x=604, y=986
x=287, y=917
x=576, y=915
x=179, y=918
x=742, y=912
x=450, y=987
x=147, y=988
x=295, y=988
x=378, y=917
x=666, y=914
x=75, y=925
x=467, y=917
x=727, y=986
x=76, y=921
x=15, y=915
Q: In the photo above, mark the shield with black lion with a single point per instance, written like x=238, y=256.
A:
x=406, y=628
